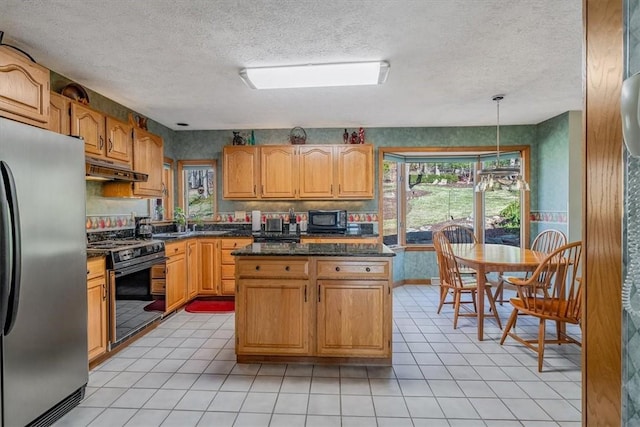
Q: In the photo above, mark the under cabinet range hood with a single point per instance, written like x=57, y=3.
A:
x=105, y=170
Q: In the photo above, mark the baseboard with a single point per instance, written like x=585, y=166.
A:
x=427, y=281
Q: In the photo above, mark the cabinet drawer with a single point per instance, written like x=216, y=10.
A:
x=235, y=243
x=158, y=286
x=95, y=267
x=226, y=256
x=158, y=272
x=357, y=269
x=269, y=268
x=175, y=248
x=228, y=271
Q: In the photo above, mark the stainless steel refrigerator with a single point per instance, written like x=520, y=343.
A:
x=43, y=291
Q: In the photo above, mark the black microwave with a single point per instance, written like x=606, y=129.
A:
x=327, y=221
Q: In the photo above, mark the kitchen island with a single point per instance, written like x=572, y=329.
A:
x=314, y=303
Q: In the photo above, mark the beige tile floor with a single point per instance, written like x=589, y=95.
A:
x=183, y=373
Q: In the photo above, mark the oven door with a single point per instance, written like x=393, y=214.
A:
x=131, y=302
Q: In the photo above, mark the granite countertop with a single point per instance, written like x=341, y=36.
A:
x=315, y=249
x=174, y=236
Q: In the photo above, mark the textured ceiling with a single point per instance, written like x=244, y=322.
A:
x=178, y=60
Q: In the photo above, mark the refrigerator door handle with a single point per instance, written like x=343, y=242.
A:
x=14, y=224
x=6, y=256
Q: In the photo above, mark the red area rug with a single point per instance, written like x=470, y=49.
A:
x=157, y=305
x=208, y=306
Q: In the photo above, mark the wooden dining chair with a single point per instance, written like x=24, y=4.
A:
x=452, y=282
x=546, y=241
x=458, y=234
x=552, y=292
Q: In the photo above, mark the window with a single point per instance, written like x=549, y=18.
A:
x=423, y=190
x=162, y=209
x=197, y=186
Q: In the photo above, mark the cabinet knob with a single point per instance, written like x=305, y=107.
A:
x=101, y=143
x=287, y=268
x=367, y=269
x=337, y=268
x=110, y=144
x=257, y=267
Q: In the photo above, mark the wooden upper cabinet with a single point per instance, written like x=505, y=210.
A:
x=278, y=172
x=316, y=172
x=24, y=89
x=89, y=124
x=148, y=156
x=304, y=172
x=59, y=120
x=118, y=145
x=240, y=172
x=354, y=172
x=104, y=136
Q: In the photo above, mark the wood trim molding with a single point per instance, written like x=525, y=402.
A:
x=602, y=213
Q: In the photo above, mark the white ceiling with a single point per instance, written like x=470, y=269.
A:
x=178, y=60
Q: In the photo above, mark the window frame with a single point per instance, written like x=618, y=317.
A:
x=212, y=163
x=525, y=156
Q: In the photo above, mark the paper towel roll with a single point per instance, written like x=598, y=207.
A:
x=256, y=220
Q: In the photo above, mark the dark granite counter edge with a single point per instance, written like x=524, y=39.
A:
x=247, y=233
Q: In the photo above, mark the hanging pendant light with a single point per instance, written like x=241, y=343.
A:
x=495, y=178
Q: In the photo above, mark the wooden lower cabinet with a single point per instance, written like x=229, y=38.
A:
x=331, y=309
x=275, y=318
x=176, y=275
x=228, y=263
x=352, y=318
x=208, y=251
x=97, y=310
x=193, y=268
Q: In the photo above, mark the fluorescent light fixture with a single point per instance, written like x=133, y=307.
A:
x=316, y=75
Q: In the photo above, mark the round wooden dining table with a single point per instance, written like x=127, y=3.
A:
x=486, y=258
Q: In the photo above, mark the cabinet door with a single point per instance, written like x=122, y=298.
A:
x=352, y=315
x=24, y=89
x=176, y=282
x=193, y=268
x=97, y=316
x=148, y=157
x=89, y=124
x=59, y=120
x=273, y=317
x=240, y=172
x=209, y=283
x=278, y=172
x=355, y=172
x=118, y=140
x=316, y=172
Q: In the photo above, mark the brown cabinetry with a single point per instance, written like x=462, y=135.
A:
x=97, y=320
x=276, y=308
x=148, y=157
x=193, y=268
x=24, y=89
x=176, y=279
x=104, y=137
x=309, y=172
x=278, y=172
x=59, y=119
x=240, y=170
x=228, y=263
x=318, y=309
x=209, y=252
x=316, y=172
x=354, y=172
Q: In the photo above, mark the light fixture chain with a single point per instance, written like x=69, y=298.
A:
x=498, y=132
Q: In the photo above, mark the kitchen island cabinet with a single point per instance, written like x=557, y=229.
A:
x=314, y=303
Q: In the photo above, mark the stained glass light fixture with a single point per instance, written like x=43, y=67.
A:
x=498, y=177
